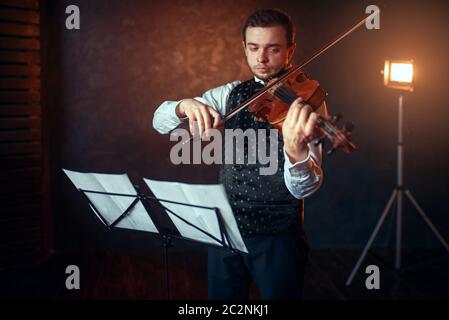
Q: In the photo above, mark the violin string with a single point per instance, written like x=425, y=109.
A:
x=234, y=111
x=288, y=96
x=280, y=94
x=290, y=93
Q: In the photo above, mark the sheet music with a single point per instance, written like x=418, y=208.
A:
x=111, y=207
x=212, y=195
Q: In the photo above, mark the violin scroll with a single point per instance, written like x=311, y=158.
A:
x=340, y=138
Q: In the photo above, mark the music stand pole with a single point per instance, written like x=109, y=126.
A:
x=168, y=237
x=167, y=244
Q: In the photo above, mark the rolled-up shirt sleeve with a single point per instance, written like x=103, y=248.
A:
x=165, y=118
x=304, y=177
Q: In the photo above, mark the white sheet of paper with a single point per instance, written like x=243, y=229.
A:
x=109, y=206
x=212, y=195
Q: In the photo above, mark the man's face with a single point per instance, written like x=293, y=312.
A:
x=266, y=50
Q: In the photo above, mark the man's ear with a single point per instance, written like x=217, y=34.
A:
x=290, y=52
x=244, y=47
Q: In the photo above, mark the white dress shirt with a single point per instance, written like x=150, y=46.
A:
x=301, y=178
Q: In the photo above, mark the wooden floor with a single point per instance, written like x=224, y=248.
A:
x=140, y=276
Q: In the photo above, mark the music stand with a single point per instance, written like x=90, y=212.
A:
x=224, y=241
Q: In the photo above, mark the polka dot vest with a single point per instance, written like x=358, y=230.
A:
x=262, y=204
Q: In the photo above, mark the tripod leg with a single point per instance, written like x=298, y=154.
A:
x=373, y=236
x=398, y=229
x=389, y=236
x=427, y=220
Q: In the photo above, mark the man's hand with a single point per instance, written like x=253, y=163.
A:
x=198, y=112
x=298, y=130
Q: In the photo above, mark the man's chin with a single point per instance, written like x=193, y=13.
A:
x=263, y=76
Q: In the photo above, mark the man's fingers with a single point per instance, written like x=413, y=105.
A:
x=206, y=118
x=294, y=117
x=293, y=112
x=216, y=116
x=303, y=116
x=298, y=101
x=217, y=120
x=309, y=128
x=200, y=118
x=191, y=117
x=199, y=121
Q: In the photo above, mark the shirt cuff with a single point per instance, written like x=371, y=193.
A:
x=176, y=105
x=300, y=166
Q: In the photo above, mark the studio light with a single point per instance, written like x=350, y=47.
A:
x=398, y=75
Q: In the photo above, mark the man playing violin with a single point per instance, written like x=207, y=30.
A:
x=268, y=208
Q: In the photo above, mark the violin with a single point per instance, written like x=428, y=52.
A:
x=272, y=103
x=273, y=106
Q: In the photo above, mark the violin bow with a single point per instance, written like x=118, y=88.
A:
x=326, y=47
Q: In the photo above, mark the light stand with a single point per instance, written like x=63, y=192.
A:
x=399, y=191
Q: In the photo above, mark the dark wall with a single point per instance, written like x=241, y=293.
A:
x=107, y=79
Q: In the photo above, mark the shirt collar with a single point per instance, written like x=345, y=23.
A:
x=263, y=82
x=259, y=80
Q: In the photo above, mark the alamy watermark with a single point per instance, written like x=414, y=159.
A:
x=373, y=280
x=258, y=149
x=73, y=279
x=73, y=20
x=373, y=22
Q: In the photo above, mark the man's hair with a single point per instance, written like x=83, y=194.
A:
x=270, y=18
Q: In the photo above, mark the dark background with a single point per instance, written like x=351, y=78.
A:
x=84, y=100
x=106, y=80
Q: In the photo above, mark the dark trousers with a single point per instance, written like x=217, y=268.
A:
x=275, y=262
